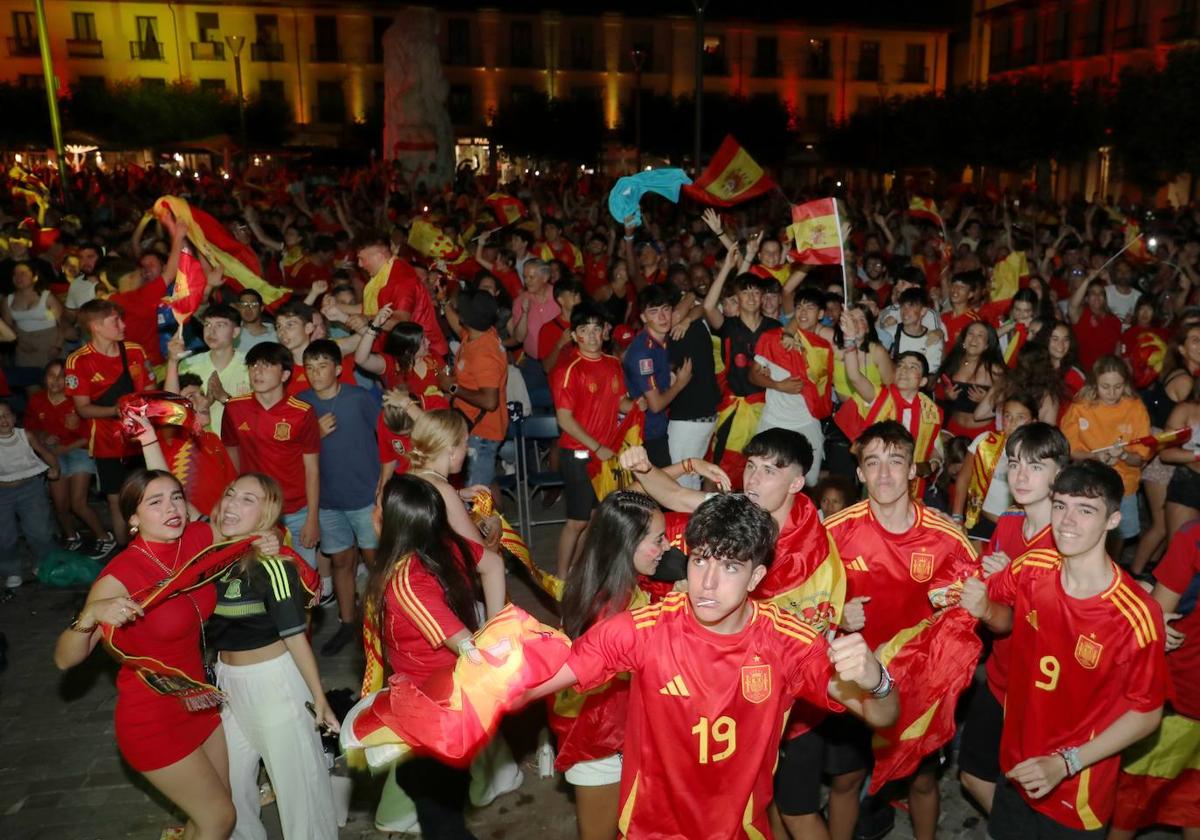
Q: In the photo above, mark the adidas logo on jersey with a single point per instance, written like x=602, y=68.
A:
x=858, y=564
x=675, y=687
x=97, y=377
x=243, y=427
x=1031, y=617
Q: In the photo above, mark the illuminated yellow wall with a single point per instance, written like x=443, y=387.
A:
x=487, y=76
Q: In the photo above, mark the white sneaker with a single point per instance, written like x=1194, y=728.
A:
x=397, y=813
x=494, y=773
x=13, y=581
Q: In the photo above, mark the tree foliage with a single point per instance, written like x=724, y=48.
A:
x=537, y=126
x=1012, y=125
x=1154, y=120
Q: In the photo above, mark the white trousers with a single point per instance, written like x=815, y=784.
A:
x=689, y=439
x=265, y=718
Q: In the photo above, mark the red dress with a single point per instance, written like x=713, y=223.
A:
x=155, y=730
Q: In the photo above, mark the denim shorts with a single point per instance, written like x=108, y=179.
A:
x=294, y=522
x=481, y=460
x=343, y=529
x=76, y=461
x=1131, y=524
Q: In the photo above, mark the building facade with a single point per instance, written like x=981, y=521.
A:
x=325, y=59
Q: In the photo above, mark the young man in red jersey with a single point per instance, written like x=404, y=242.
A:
x=1087, y=674
x=588, y=393
x=98, y=374
x=895, y=552
x=714, y=675
x=269, y=432
x=1036, y=454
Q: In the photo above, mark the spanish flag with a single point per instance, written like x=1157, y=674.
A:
x=1160, y=777
x=239, y=262
x=926, y=209
x=730, y=178
x=430, y=241
x=505, y=208
x=817, y=231
x=1133, y=243
x=1008, y=274
x=608, y=476
x=456, y=711
x=932, y=662
x=1016, y=340
x=807, y=577
x=1145, y=348
x=29, y=188
x=187, y=293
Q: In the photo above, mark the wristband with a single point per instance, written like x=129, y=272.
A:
x=75, y=627
x=957, y=517
x=1070, y=757
x=466, y=646
x=884, y=688
x=688, y=467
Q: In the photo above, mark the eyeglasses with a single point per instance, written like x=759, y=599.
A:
x=248, y=304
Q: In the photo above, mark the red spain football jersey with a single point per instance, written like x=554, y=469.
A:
x=1179, y=572
x=705, y=713
x=1076, y=665
x=591, y=389
x=897, y=571
x=60, y=421
x=1009, y=537
x=273, y=441
x=89, y=374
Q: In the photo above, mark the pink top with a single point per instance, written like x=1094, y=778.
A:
x=540, y=314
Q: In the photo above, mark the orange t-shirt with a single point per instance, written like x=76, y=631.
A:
x=482, y=363
x=1092, y=425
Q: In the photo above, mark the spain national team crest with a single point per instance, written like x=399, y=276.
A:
x=398, y=446
x=283, y=431
x=756, y=682
x=1087, y=652
x=920, y=566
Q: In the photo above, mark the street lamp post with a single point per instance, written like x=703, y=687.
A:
x=236, y=44
x=56, y=132
x=699, y=6
x=638, y=56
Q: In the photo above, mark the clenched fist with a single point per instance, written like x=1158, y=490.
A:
x=854, y=662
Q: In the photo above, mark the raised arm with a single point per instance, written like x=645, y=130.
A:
x=712, y=300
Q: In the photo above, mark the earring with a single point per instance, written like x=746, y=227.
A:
x=133, y=529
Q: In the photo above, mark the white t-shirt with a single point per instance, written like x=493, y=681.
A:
x=999, y=498
x=1121, y=303
x=888, y=324
x=783, y=411
x=80, y=292
x=919, y=344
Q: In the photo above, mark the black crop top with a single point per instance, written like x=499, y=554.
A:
x=258, y=607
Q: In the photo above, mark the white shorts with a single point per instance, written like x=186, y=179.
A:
x=597, y=772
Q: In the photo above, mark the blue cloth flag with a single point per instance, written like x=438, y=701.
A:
x=628, y=191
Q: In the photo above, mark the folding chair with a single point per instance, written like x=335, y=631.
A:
x=531, y=478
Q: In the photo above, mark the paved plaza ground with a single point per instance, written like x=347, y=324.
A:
x=61, y=777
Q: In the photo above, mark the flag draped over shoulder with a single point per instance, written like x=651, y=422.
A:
x=160, y=676
x=926, y=209
x=455, y=712
x=239, y=262
x=730, y=178
x=807, y=577
x=932, y=663
x=816, y=230
x=625, y=197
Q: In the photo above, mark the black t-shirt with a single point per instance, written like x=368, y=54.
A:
x=259, y=606
x=700, y=396
x=737, y=346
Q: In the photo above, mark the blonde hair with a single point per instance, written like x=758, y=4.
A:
x=1103, y=365
x=272, y=504
x=433, y=433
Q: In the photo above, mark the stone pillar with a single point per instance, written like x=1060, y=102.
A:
x=417, y=131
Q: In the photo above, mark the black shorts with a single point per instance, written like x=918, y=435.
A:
x=979, y=750
x=578, y=493
x=1013, y=819
x=1184, y=487
x=847, y=745
x=798, y=776
x=114, y=471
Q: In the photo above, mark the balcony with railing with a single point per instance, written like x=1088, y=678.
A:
x=208, y=51
x=23, y=47
x=325, y=54
x=914, y=74
x=266, y=51
x=146, y=51
x=85, y=48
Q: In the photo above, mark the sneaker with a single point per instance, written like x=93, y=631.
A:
x=73, y=543
x=328, y=599
x=346, y=633
x=396, y=813
x=103, y=546
x=13, y=581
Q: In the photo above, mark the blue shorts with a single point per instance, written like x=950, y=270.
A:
x=343, y=529
x=1131, y=524
x=294, y=522
x=76, y=461
x=481, y=460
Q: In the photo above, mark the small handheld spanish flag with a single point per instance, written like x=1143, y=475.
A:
x=730, y=178
x=816, y=230
x=920, y=207
x=505, y=208
x=430, y=241
x=187, y=292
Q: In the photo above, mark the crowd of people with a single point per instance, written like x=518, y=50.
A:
x=1000, y=404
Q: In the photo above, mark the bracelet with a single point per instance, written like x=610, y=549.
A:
x=76, y=628
x=688, y=467
x=465, y=646
x=957, y=517
x=884, y=688
x=1070, y=757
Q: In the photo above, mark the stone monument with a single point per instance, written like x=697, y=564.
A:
x=417, y=132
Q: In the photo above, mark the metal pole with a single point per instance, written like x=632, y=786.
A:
x=39, y=7
x=638, y=57
x=236, y=44
x=698, y=94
